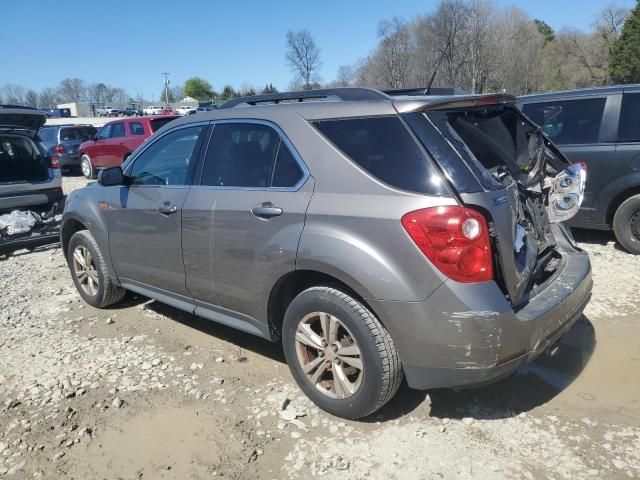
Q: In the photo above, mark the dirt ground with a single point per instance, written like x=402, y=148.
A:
x=144, y=391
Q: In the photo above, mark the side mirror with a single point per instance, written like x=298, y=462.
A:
x=110, y=177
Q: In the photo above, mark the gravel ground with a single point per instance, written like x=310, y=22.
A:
x=146, y=391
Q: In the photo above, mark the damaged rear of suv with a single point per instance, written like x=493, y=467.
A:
x=375, y=235
x=30, y=182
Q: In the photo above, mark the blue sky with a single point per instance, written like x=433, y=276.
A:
x=129, y=43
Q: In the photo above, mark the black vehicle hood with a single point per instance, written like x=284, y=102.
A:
x=25, y=119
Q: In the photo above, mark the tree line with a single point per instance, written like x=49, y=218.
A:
x=479, y=47
x=470, y=44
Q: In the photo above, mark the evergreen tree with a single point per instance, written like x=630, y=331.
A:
x=269, y=89
x=624, y=65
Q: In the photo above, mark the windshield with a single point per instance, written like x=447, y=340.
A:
x=48, y=135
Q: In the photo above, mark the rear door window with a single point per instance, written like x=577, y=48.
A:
x=240, y=155
x=629, y=127
x=136, y=128
x=570, y=122
x=117, y=130
x=384, y=148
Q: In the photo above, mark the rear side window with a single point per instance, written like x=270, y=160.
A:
x=117, y=130
x=287, y=171
x=240, y=155
x=383, y=147
x=136, y=128
x=158, y=123
x=629, y=128
x=568, y=122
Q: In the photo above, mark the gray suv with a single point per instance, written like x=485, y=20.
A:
x=598, y=126
x=375, y=235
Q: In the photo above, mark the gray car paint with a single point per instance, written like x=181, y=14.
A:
x=447, y=333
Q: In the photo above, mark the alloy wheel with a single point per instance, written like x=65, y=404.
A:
x=329, y=355
x=85, y=270
x=86, y=167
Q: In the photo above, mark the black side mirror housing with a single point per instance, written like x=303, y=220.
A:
x=110, y=177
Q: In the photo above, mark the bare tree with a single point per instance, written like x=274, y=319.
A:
x=95, y=92
x=31, y=99
x=393, y=52
x=14, y=94
x=448, y=26
x=48, y=98
x=303, y=56
x=345, y=76
x=72, y=90
x=481, y=48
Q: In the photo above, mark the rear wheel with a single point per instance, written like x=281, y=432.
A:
x=87, y=167
x=339, y=353
x=626, y=224
x=89, y=271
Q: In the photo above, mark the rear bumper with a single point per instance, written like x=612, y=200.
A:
x=69, y=160
x=31, y=199
x=468, y=334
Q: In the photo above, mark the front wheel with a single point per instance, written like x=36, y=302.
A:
x=626, y=224
x=338, y=352
x=87, y=167
x=89, y=271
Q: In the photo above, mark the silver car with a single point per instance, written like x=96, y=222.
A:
x=375, y=235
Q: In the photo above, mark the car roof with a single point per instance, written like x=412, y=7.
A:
x=340, y=102
x=580, y=92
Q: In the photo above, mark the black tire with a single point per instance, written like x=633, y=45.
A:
x=382, y=370
x=86, y=167
x=107, y=293
x=626, y=224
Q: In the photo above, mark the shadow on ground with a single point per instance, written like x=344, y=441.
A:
x=530, y=386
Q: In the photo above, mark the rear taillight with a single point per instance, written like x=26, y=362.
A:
x=455, y=239
x=567, y=192
x=54, y=162
x=59, y=149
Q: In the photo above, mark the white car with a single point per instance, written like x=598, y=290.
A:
x=185, y=109
x=153, y=110
x=106, y=111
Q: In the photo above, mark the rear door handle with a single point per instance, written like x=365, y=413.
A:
x=167, y=209
x=266, y=210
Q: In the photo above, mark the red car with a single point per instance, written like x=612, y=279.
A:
x=116, y=140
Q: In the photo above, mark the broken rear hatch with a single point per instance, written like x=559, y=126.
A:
x=501, y=164
x=26, y=182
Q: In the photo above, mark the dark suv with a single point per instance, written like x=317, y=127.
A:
x=376, y=236
x=600, y=127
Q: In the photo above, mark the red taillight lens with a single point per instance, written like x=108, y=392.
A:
x=54, y=162
x=455, y=239
x=59, y=149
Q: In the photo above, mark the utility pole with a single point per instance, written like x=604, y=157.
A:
x=166, y=87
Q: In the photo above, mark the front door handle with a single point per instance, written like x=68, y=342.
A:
x=266, y=211
x=167, y=209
